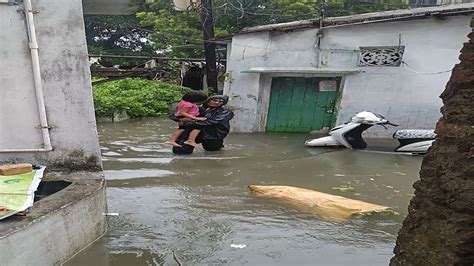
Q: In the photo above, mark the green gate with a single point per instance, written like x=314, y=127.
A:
x=302, y=104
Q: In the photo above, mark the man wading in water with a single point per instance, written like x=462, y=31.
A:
x=213, y=130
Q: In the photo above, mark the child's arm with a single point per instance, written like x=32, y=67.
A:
x=184, y=112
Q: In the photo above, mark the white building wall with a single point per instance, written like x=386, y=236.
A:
x=243, y=88
x=403, y=96
x=249, y=92
x=111, y=7
x=452, y=2
x=66, y=81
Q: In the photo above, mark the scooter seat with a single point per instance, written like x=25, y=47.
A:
x=414, y=134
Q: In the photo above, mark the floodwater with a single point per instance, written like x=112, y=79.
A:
x=197, y=209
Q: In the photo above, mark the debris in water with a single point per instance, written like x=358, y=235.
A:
x=344, y=188
x=392, y=212
x=228, y=174
x=110, y=213
x=400, y=173
x=238, y=245
x=383, y=212
x=339, y=175
x=176, y=259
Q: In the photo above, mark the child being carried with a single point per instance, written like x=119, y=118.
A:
x=188, y=111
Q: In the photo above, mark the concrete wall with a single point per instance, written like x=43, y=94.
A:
x=111, y=7
x=58, y=226
x=66, y=81
x=405, y=97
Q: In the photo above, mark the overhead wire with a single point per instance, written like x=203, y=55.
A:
x=248, y=46
x=312, y=46
x=327, y=7
x=229, y=4
x=224, y=43
x=405, y=65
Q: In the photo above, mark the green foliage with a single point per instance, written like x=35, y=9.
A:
x=120, y=35
x=179, y=34
x=172, y=29
x=138, y=97
x=175, y=30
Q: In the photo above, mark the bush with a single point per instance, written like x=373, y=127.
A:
x=137, y=97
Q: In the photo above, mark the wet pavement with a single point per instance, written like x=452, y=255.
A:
x=199, y=209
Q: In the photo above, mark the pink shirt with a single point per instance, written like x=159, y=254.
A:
x=193, y=108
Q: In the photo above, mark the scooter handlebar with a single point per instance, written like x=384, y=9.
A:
x=391, y=124
x=387, y=123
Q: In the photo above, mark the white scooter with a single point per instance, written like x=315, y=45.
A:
x=349, y=135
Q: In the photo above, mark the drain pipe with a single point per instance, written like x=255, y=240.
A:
x=33, y=44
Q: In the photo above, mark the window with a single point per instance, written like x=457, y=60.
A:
x=381, y=56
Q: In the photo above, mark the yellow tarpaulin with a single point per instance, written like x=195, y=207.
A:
x=326, y=205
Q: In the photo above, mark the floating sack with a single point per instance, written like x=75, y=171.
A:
x=328, y=206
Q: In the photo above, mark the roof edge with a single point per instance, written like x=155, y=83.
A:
x=384, y=16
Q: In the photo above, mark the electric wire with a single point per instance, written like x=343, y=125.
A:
x=279, y=14
x=224, y=43
x=405, y=65
x=235, y=44
x=202, y=41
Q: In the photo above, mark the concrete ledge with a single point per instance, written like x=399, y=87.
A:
x=302, y=70
x=58, y=226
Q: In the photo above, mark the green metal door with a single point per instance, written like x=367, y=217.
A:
x=302, y=104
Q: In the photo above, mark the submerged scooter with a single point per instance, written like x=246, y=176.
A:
x=349, y=135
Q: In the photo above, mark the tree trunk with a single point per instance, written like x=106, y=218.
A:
x=439, y=228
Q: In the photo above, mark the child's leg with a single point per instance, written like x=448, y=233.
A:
x=174, y=137
x=192, y=137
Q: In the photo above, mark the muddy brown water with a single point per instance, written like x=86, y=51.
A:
x=199, y=208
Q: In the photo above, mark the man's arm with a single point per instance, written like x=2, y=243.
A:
x=221, y=116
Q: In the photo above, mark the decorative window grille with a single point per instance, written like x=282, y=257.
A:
x=381, y=56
